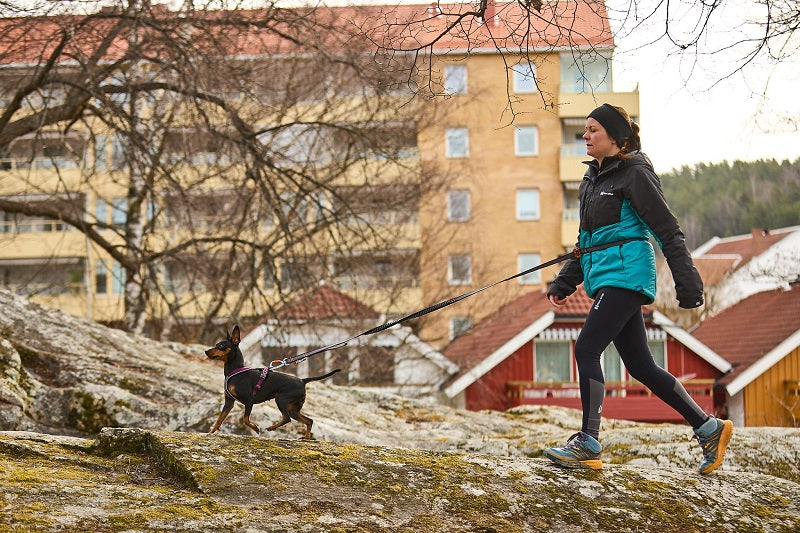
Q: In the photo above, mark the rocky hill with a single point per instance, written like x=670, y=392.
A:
x=105, y=431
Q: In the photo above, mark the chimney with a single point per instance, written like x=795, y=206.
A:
x=491, y=11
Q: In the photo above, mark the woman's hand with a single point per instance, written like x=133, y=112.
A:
x=555, y=300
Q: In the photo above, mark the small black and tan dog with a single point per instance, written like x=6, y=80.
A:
x=256, y=385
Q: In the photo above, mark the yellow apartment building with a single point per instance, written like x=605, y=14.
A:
x=509, y=142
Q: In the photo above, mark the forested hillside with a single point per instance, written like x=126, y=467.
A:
x=732, y=198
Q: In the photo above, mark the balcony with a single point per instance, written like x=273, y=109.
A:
x=581, y=104
x=570, y=225
x=570, y=163
x=624, y=400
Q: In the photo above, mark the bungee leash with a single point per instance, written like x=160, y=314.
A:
x=576, y=253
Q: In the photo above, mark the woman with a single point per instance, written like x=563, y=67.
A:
x=621, y=200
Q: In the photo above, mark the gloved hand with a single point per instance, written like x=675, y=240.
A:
x=690, y=302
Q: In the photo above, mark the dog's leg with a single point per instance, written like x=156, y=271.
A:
x=225, y=410
x=294, y=412
x=248, y=408
x=282, y=404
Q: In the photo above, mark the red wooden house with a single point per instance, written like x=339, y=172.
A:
x=523, y=354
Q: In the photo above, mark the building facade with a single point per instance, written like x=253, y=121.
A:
x=506, y=141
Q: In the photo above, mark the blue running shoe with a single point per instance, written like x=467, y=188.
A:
x=713, y=437
x=581, y=451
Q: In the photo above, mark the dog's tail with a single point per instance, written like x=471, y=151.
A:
x=326, y=376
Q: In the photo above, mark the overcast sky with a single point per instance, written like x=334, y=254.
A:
x=690, y=111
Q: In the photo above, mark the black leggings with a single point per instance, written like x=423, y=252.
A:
x=616, y=315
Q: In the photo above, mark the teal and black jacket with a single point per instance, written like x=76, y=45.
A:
x=622, y=199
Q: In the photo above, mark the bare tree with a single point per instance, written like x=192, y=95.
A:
x=223, y=159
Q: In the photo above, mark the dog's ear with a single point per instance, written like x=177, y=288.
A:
x=235, y=335
x=227, y=334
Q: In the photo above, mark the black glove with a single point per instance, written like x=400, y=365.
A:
x=690, y=302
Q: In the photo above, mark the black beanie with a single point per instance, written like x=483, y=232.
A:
x=617, y=127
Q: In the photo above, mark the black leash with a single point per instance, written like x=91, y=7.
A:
x=576, y=253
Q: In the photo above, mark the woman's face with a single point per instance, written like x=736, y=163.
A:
x=598, y=143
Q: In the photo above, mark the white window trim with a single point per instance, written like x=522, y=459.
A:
x=448, y=150
x=450, y=278
x=517, y=150
x=463, y=90
x=537, y=276
x=517, y=78
x=450, y=217
x=538, y=215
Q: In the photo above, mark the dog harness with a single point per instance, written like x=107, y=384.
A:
x=261, y=379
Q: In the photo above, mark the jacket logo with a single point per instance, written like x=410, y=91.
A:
x=604, y=193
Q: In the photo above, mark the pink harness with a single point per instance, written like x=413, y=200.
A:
x=261, y=379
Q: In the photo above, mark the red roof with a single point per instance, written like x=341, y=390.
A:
x=371, y=27
x=748, y=246
x=325, y=302
x=713, y=269
x=497, y=329
x=744, y=333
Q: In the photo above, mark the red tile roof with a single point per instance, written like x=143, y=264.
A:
x=713, y=269
x=748, y=246
x=744, y=333
x=278, y=30
x=497, y=329
x=508, y=321
x=325, y=302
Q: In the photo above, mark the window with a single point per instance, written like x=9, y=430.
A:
x=455, y=79
x=101, y=210
x=100, y=153
x=524, y=78
x=526, y=261
x=552, y=361
x=659, y=353
x=117, y=279
x=100, y=278
x=459, y=270
x=294, y=208
x=612, y=365
x=119, y=211
x=459, y=325
x=613, y=370
x=526, y=140
x=320, y=202
x=117, y=153
x=585, y=73
x=528, y=204
x=456, y=142
x=458, y=205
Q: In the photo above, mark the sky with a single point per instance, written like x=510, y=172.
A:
x=692, y=109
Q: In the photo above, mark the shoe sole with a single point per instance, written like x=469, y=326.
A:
x=724, y=439
x=588, y=464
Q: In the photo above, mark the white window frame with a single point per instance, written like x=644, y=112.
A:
x=567, y=358
x=459, y=134
x=525, y=212
x=455, y=79
x=519, y=131
x=454, y=203
x=526, y=261
x=451, y=269
x=524, y=78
